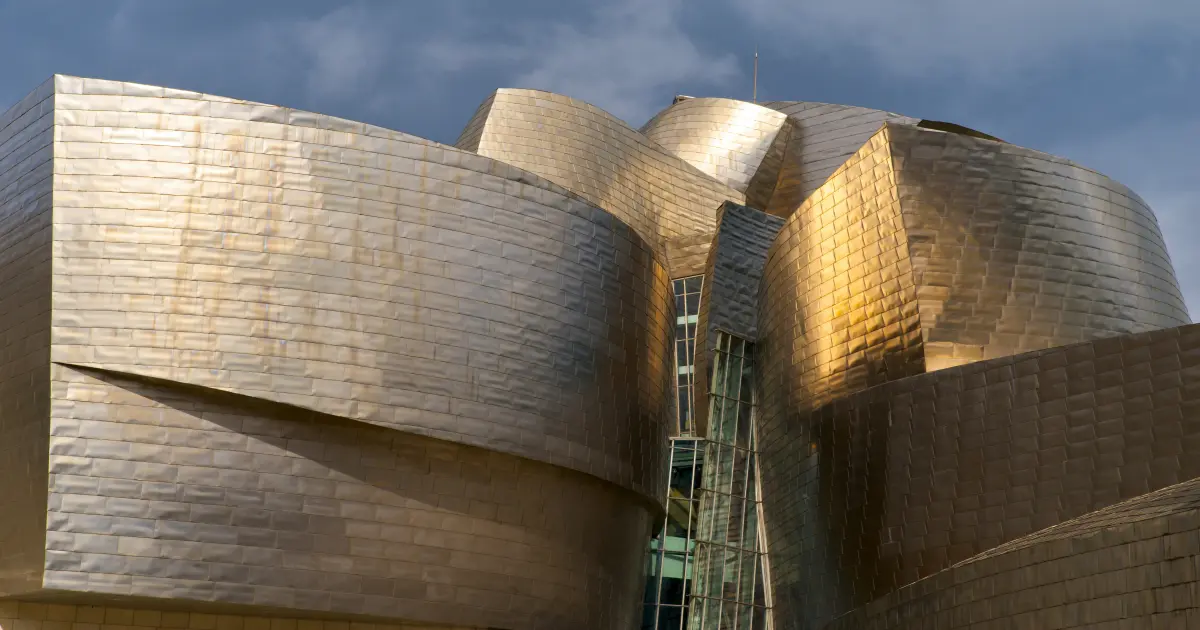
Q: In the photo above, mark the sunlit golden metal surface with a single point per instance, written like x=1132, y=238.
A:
x=822, y=137
x=930, y=249
x=895, y=483
x=602, y=159
x=724, y=138
x=388, y=377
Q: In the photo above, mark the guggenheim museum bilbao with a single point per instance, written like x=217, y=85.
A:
x=777, y=366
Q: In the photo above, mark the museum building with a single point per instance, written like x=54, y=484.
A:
x=753, y=366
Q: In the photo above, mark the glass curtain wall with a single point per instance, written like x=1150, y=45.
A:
x=705, y=569
x=669, y=564
x=672, y=552
x=728, y=590
x=687, y=313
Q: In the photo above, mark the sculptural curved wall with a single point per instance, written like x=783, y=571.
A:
x=218, y=500
x=1064, y=253
x=1130, y=565
x=897, y=266
x=895, y=483
x=272, y=362
x=358, y=272
x=837, y=304
x=599, y=157
x=823, y=137
x=724, y=138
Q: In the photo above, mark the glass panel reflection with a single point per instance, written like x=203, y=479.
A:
x=728, y=590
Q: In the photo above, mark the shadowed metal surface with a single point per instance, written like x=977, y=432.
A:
x=26, y=140
x=25, y=614
x=724, y=138
x=602, y=159
x=1132, y=565
x=729, y=296
x=892, y=484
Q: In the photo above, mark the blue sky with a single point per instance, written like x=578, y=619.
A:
x=1112, y=84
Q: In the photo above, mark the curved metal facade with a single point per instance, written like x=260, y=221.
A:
x=386, y=377
x=1131, y=565
x=895, y=483
x=901, y=264
x=223, y=500
x=824, y=136
x=896, y=266
x=267, y=362
x=26, y=146
x=358, y=272
x=592, y=153
x=724, y=138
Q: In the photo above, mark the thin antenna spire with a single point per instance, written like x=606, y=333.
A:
x=755, y=95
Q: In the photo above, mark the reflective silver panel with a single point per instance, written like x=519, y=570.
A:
x=359, y=272
x=724, y=138
x=207, y=500
x=600, y=158
x=304, y=363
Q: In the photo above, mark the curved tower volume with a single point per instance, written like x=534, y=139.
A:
x=274, y=362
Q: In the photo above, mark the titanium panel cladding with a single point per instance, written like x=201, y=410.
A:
x=728, y=299
x=1016, y=250
x=837, y=308
x=208, y=498
x=895, y=483
x=602, y=159
x=358, y=272
x=1132, y=565
x=900, y=263
x=724, y=138
x=823, y=137
x=271, y=359
x=26, y=141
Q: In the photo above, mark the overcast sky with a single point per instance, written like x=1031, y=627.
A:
x=1112, y=84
